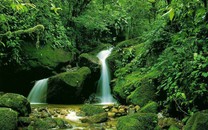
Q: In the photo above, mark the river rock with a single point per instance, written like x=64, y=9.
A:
x=97, y=118
x=24, y=121
x=8, y=119
x=17, y=102
x=92, y=109
x=137, y=121
x=68, y=87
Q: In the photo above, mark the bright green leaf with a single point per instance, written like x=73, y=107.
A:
x=171, y=14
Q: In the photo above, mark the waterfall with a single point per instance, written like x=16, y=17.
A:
x=39, y=91
x=104, y=91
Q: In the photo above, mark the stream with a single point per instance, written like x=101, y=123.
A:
x=72, y=114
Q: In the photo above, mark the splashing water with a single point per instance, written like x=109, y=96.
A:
x=104, y=91
x=38, y=92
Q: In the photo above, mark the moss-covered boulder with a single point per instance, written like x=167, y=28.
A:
x=46, y=56
x=97, y=118
x=49, y=123
x=17, y=102
x=69, y=87
x=143, y=94
x=199, y=121
x=91, y=61
x=90, y=109
x=138, y=121
x=151, y=107
x=8, y=119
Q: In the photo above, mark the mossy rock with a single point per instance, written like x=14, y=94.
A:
x=24, y=121
x=17, y=102
x=8, y=119
x=151, y=107
x=173, y=127
x=96, y=118
x=90, y=61
x=68, y=87
x=143, y=94
x=169, y=122
x=198, y=121
x=43, y=124
x=90, y=109
x=46, y=56
x=138, y=121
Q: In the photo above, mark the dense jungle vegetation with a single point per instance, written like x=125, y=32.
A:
x=162, y=44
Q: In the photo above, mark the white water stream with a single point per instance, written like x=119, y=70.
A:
x=104, y=90
x=39, y=92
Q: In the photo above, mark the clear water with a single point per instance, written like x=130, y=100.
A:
x=39, y=92
x=104, y=90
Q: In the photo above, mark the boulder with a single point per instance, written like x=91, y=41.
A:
x=17, y=102
x=24, y=121
x=138, y=121
x=151, y=107
x=143, y=94
x=90, y=110
x=8, y=119
x=69, y=87
x=90, y=61
x=97, y=118
x=198, y=121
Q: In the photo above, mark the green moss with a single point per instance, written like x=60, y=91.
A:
x=126, y=123
x=151, y=107
x=46, y=56
x=16, y=102
x=173, y=127
x=125, y=86
x=42, y=124
x=138, y=121
x=89, y=57
x=199, y=121
x=8, y=119
x=143, y=94
x=75, y=78
x=91, y=109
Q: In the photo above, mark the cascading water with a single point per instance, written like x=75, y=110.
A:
x=104, y=91
x=39, y=91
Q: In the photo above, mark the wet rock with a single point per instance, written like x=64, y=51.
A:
x=90, y=61
x=8, y=119
x=111, y=114
x=24, y=121
x=91, y=109
x=62, y=124
x=17, y=102
x=114, y=110
x=68, y=87
x=42, y=124
x=98, y=118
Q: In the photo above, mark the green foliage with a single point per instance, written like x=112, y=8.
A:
x=19, y=16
